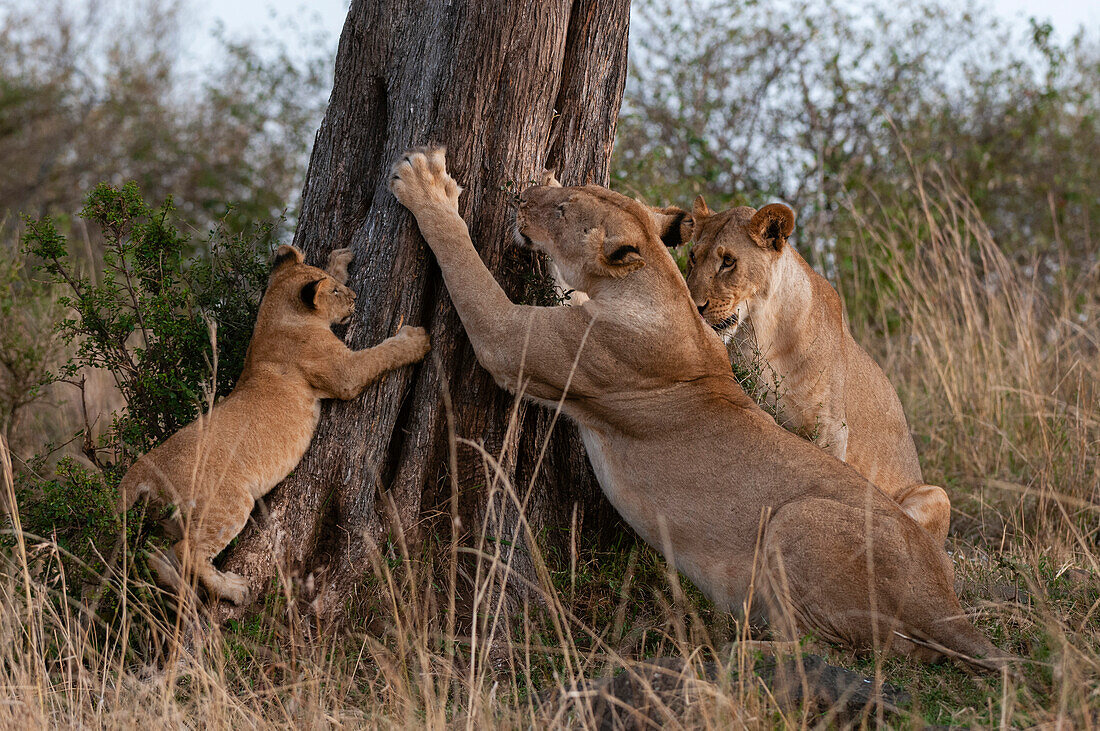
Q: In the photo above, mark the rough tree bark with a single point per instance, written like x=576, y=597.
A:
x=510, y=87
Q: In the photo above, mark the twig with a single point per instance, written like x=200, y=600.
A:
x=88, y=448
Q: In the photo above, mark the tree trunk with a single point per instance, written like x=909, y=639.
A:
x=510, y=87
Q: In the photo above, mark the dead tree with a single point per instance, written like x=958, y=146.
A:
x=510, y=87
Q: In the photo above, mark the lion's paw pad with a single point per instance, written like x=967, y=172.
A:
x=420, y=179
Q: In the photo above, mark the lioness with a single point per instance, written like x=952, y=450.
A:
x=742, y=269
x=757, y=517
x=214, y=469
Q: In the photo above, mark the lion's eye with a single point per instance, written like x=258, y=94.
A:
x=728, y=262
x=691, y=256
x=561, y=210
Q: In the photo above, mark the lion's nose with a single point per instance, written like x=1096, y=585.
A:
x=702, y=307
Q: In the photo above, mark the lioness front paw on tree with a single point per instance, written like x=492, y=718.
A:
x=420, y=181
x=215, y=468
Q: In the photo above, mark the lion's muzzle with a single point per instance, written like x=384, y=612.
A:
x=728, y=323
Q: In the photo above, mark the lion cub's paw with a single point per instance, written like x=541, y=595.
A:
x=231, y=587
x=420, y=180
x=338, y=262
x=416, y=340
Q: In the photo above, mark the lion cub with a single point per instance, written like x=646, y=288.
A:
x=742, y=270
x=214, y=469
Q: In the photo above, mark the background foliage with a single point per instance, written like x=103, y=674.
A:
x=832, y=105
x=99, y=91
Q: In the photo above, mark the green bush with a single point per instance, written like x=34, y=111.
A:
x=75, y=509
x=151, y=316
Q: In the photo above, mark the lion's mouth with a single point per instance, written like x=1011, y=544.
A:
x=726, y=324
x=523, y=240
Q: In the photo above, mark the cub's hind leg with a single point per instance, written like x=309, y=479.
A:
x=206, y=535
x=166, y=567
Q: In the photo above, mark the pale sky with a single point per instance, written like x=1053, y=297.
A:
x=1065, y=15
x=285, y=20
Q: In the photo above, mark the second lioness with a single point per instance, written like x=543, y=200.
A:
x=743, y=270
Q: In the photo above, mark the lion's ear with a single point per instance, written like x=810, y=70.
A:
x=287, y=254
x=309, y=293
x=616, y=256
x=548, y=178
x=772, y=225
x=674, y=225
x=699, y=209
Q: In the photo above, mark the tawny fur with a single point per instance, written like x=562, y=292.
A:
x=214, y=469
x=747, y=510
x=752, y=286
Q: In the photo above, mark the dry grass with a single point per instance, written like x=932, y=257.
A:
x=999, y=367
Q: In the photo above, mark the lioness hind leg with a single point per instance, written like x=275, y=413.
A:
x=820, y=581
x=869, y=580
x=930, y=507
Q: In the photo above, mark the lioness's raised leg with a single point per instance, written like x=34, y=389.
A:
x=930, y=507
x=511, y=341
